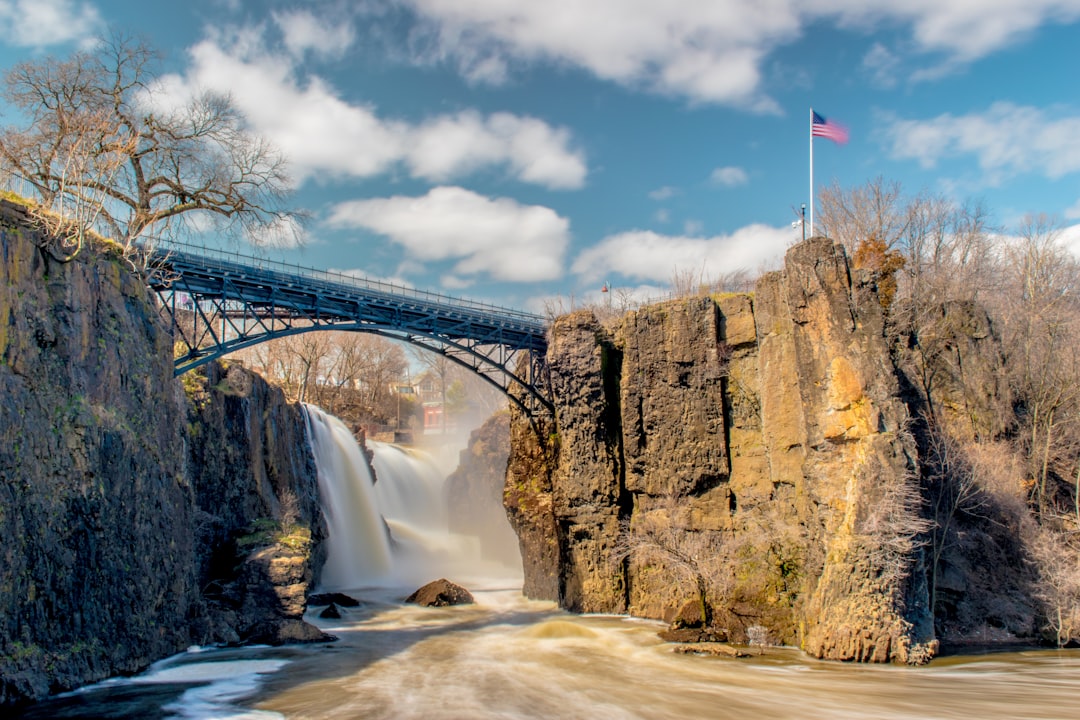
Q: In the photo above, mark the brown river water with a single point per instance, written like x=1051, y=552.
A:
x=510, y=658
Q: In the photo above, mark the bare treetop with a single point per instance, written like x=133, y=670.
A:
x=101, y=150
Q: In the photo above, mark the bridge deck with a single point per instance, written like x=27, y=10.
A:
x=339, y=296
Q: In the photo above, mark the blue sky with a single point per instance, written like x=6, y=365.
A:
x=516, y=150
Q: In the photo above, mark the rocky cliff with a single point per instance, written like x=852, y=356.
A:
x=748, y=450
x=138, y=519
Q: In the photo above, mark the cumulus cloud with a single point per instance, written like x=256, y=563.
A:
x=535, y=152
x=323, y=133
x=303, y=32
x=39, y=23
x=730, y=176
x=663, y=193
x=710, y=52
x=498, y=237
x=1006, y=139
x=644, y=255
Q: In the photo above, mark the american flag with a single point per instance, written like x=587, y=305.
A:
x=820, y=127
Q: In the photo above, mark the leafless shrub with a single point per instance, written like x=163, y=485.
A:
x=289, y=507
x=757, y=635
x=662, y=538
x=1057, y=559
x=893, y=524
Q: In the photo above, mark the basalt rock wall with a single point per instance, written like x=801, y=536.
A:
x=749, y=448
x=138, y=519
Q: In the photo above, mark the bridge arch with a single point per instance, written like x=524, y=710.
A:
x=217, y=303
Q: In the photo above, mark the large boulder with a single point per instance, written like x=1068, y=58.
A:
x=441, y=593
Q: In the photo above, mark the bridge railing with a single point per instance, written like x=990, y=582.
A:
x=241, y=260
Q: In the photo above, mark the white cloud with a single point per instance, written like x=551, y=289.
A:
x=1070, y=238
x=619, y=297
x=662, y=216
x=646, y=255
x=730, y=176
x=1006, y=139
x=303, y=32
x=713, y=51
x=282, y=232
x=707, y=51
x=498, y=237
x=1073, y=213
x=882, y=65
x=38, y=23
x=396, y=280
x=453, y=144
x=322, y=133
x=663, y=193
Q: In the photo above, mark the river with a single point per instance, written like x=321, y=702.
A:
x=510, y=658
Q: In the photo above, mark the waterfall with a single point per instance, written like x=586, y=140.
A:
x=358, y=550
x=394, y=532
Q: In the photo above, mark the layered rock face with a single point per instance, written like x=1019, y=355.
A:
x=259, y=525
x=118, y=508
x=751, y=449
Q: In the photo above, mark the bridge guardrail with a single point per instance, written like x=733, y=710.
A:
x=296, y=270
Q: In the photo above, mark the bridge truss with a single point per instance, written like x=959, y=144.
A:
x=219, y=303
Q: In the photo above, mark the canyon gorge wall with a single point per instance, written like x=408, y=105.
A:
x=140, y=514
x=755, y=451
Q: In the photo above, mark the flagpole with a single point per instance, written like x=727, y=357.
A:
x=811, y=172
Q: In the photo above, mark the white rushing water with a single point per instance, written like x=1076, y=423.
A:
x=359, y=548
x=393, y=532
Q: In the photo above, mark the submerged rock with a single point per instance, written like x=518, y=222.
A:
x=693, y=635
x=332, y=612
x=691, y=625
x=711, y=649
x=441, y=593
x=335, y=598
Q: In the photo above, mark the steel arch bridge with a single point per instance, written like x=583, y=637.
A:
x=217, y=303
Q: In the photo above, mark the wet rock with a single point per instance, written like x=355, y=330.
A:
x=690, y=615
x=335, y=598
x=332, y=612
x=693, y=635
x=441, y=593
x=711, y=648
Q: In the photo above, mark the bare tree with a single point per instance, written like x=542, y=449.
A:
x=876, y=209
x=100, y=150
x=696, y=559
x=347, y=373
x=1042, y=329
x=953, y=490
x=1057, y=556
